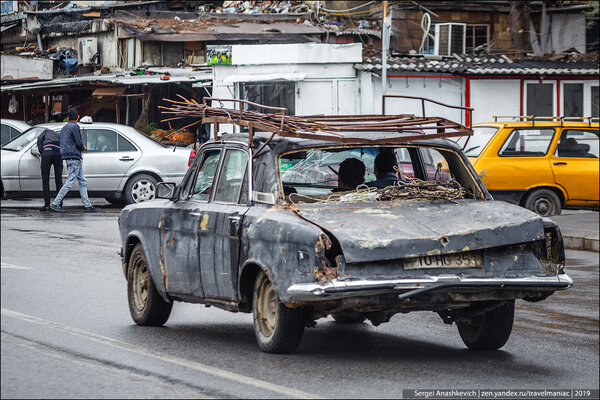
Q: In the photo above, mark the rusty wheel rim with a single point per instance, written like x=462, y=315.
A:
x=140, y=284
x=267, y=308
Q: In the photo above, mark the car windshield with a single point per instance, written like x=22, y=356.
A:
x=23, y=140
x=476, y=143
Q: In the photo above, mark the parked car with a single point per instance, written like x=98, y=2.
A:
x=121, y=164
x=11, y=128
x=244, y=234
x=542, y=165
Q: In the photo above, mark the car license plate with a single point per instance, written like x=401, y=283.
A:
x=462, y=260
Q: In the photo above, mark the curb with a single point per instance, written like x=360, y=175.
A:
x=576, y=239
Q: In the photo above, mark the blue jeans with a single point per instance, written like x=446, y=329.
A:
x=74, y=171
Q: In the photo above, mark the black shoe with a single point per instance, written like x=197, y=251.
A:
x=45, y=208
x=91, y=209
x=56, y=208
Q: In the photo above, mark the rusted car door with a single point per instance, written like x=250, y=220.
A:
x=224, y=220
x=182, y=226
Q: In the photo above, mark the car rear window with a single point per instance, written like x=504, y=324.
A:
x=529, y=142
x=477, y=142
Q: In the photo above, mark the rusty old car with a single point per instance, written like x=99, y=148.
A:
x=257, y=226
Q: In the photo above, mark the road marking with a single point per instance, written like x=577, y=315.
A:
x=207, y=369
x=5, y=265
x=115, y=369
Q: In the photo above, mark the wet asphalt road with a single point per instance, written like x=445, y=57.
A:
x=66, y=332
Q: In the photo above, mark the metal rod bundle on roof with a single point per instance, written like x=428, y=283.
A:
x=335, y=128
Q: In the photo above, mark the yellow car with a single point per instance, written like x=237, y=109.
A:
x=542, y=165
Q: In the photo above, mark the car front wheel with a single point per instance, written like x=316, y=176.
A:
x=278, y=329
x=146, y=306
x=140, y=188
x=544, y=202
x=489, y=331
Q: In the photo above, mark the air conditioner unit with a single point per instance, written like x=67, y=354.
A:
x=87, y=48
x=450, y=38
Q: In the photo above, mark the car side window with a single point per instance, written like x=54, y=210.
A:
x=5, y=133
x=580, y=143
x=436, y=166
x=206, y=175
x=529, y=142
x=233, y=171
x=101, y=140
x=124, y=144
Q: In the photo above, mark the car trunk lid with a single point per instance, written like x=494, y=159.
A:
x=377, y=231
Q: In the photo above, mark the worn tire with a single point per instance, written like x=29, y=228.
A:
x=140, y=188
x=489, y=331
x=544, y=202
x=348, y=317
x=146, y=306
x=278, y=329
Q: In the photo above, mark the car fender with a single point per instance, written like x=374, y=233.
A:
x=563, y=193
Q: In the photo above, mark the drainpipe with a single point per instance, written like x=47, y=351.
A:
x=39, y=40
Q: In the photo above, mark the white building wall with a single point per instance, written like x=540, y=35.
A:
x=24, y=67
x=491, y=97
x=445, y=90
x=324, y=75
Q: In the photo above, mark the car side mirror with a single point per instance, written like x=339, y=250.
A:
x=166, y=190
x=35, y=151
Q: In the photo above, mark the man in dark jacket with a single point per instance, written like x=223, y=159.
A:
x=385, y=164
x=71, y=146
x=48, y=144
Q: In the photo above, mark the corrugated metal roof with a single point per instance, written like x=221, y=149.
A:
x=177, y=75
x=480, y=65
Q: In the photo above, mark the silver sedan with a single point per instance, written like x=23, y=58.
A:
x=121, y=164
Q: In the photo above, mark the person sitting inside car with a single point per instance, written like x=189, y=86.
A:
x=350, y=175
x=385, y=162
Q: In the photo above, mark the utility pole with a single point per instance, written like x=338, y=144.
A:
x=385, y=44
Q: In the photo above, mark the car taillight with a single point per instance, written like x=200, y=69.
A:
x=191, y=159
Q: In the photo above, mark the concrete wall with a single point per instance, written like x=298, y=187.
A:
x=105, y=36
x=25, y=67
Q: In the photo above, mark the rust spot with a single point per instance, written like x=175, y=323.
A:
x=326, y=273
x=172, y=241
x=444, y=240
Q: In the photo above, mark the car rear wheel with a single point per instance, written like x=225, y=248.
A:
x=278, y=329
x=544, y=202
x=348, y=317
x=140, y=188
x=146, y=305
x=489, y=331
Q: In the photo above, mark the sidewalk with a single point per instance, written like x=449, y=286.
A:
x=579, y=229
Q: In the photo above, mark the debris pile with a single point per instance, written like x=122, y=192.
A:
x=262, y=7
x=330, y=128
x=414, y=189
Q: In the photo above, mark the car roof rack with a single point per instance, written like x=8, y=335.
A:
x=334, y=128
x=534, y=118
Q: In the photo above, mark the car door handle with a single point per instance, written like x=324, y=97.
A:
x=560, y=163
x=126, y=158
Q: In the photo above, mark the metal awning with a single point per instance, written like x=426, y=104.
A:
x=177, y=76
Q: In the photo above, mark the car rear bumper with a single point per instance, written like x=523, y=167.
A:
x=406, y=288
